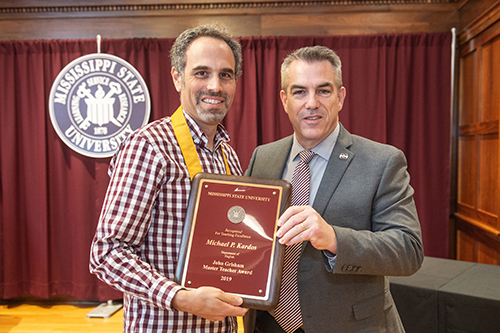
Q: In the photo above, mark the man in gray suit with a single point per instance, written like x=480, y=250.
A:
x=361, y=224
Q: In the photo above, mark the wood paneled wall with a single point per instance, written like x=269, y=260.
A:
x=478, y=181
x=80, y=19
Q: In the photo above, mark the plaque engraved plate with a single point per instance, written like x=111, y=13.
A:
x=229, y=237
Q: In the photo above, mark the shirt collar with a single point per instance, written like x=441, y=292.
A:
x=200, y=139
x=323, y=149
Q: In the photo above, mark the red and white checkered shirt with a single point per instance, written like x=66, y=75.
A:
x=136, y=245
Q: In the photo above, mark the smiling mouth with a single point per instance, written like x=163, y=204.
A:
x=211, y=98
x=212, y=101
x=313, y=118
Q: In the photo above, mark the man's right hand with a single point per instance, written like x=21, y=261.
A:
x=209, y=303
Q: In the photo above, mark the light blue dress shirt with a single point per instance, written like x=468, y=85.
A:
x=317, y=168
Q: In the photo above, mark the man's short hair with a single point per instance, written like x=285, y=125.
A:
x=312, y=54
x=181, y=44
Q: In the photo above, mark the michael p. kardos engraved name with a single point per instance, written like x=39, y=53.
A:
x=235, y=245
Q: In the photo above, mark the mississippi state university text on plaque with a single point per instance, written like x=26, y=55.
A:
x=229, y=237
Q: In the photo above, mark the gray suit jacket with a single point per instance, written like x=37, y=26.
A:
x=368, y=200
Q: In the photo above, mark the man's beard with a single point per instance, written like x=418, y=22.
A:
x=211, y=116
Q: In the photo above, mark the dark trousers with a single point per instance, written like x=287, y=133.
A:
x=267, y=324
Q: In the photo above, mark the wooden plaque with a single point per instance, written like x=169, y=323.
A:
x=229, y=239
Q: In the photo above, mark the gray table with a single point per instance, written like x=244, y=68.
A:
x=449, y=296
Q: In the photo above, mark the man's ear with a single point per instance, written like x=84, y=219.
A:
x=177, y=78
x=283, y=99
x=342, y=94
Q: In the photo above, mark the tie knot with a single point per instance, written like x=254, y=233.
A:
x=306, y=156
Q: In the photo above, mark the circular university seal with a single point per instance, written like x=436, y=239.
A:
x=236, y=214
x=96, y=101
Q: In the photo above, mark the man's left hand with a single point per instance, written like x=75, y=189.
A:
x=301, y=223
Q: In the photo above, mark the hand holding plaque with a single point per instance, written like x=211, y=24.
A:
x=229, y=237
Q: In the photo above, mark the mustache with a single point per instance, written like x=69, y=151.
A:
x=221, y=94
x=212, y=93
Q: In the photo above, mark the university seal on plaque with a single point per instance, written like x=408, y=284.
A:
x=96, y=101
x=236, y=214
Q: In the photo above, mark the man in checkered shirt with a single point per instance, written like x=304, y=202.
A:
x=136, y=245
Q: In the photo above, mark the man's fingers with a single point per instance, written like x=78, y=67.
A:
x=231, y=299
x=292, y=222
x=290, y=212
x=235, y=302
x=303, y=223
x=295, y=235
x=210, y=303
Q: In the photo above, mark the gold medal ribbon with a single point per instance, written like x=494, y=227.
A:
x=188, y=149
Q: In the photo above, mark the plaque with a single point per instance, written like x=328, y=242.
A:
x=229, y=238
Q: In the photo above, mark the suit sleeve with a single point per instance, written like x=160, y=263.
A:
x=249, y=170
x=391, y=243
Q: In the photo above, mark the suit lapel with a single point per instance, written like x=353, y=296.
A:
x=278, y=156
x=339, y=160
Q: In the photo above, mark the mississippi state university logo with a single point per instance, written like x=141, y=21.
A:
x=236, y=214
x=96, y=102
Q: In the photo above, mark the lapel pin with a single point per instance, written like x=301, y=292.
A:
x=343, y=156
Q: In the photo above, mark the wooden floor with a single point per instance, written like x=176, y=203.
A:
x=31, y=318
x=55, y=318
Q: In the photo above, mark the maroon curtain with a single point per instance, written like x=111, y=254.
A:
x=398, y=92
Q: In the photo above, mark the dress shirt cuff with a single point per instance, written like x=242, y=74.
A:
x=162, y=293
x=332, y=258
